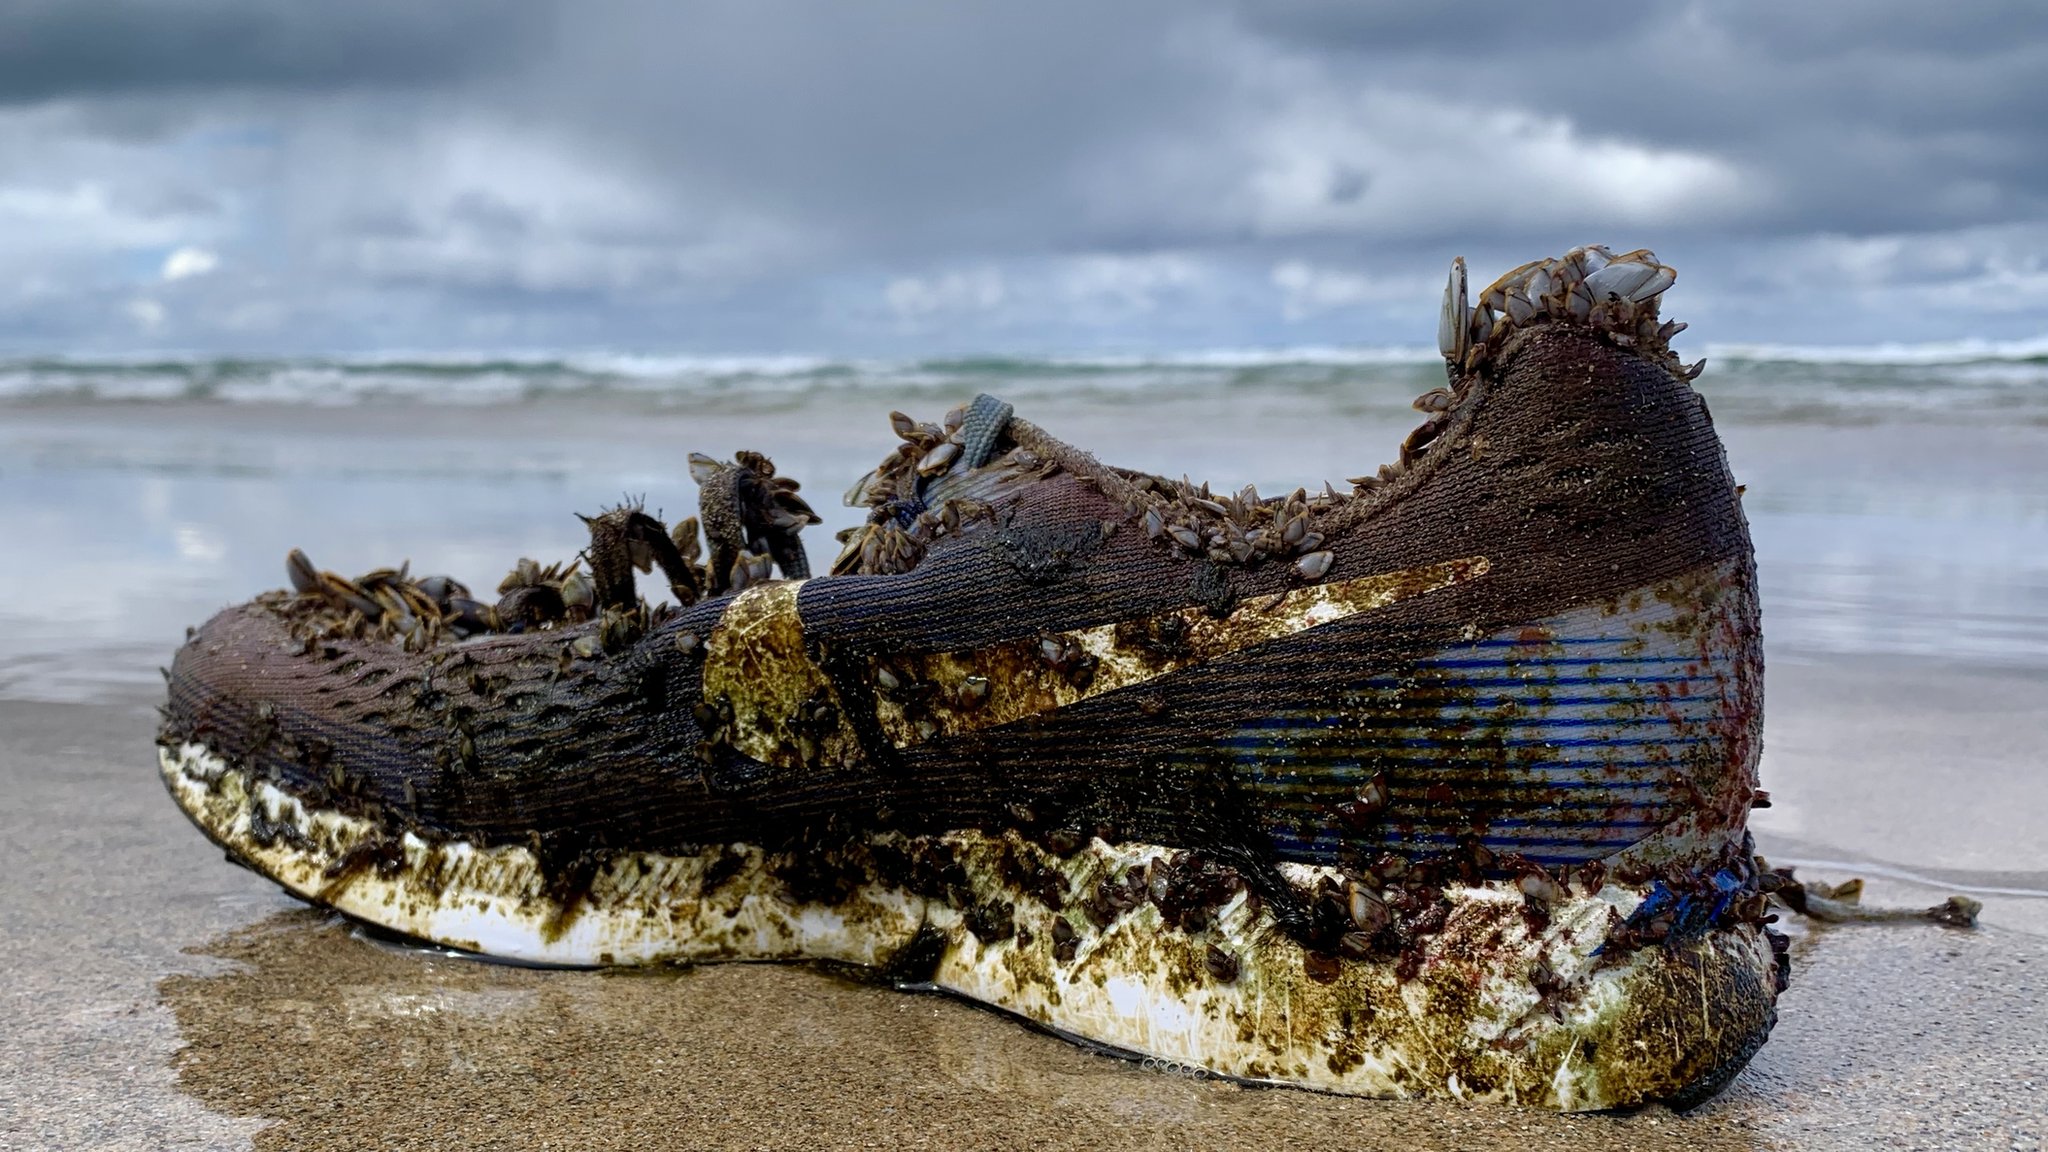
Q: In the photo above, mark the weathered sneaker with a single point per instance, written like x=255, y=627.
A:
x=1436, y=787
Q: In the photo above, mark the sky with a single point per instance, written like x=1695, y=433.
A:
x=944, y=177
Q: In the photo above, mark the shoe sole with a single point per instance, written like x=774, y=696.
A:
x=1092, y=943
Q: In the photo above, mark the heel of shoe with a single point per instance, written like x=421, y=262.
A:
x=1519, y=993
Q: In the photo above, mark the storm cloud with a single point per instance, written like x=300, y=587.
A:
x=909, y=177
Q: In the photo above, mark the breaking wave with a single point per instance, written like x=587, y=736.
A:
x=1947, y=352
x=1957, y=380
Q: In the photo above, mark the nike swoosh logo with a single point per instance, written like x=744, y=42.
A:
x=949, y=693
x=776, y=705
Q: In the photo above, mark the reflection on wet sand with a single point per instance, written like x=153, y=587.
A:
x=348, y=1044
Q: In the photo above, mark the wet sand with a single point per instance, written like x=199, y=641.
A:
x=156, y=997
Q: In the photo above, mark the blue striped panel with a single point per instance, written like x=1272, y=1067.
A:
x=1562, y=750
x=1555, y=662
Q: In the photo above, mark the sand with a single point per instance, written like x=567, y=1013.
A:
x=156, y=997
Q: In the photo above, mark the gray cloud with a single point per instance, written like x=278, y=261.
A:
x=1382, y=28
x=917, y=175
x=53, y=49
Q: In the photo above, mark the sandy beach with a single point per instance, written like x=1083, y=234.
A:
x=157, y=997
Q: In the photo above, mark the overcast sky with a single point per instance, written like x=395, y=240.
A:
x=946, y=176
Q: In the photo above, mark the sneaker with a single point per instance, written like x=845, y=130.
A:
x=1436, y=786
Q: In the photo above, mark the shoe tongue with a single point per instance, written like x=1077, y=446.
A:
x=986, y=419
x=981, y=429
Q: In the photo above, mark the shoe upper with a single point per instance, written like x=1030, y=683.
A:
x=1536, y=642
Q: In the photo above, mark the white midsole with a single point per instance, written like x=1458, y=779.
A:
x=1463, y=1019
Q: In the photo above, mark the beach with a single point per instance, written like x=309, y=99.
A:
x=158, y=997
